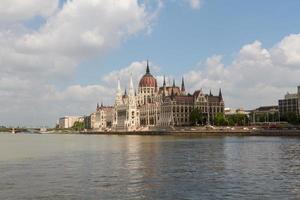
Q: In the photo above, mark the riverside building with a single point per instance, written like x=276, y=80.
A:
x=290, y=103
x=157, y=107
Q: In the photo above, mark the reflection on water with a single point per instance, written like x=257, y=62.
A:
x=148, y=167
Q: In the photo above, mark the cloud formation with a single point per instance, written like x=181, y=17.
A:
x=256, y=76
x=33, y=61
x=195, y=4
x=20, y=10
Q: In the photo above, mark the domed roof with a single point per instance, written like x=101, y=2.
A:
x=148, y=80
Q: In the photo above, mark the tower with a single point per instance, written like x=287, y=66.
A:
x=182, y=86
x=118, y=100
x=220, y=95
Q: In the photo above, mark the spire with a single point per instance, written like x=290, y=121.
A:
x=220, y=94
x=164, y=84
x=118, y=99
x=148, y=69
x=97, y=106
x=119, y=86
x=182, y=85
x=131, y=89
x=101, y=104
x=210, y=94
x=125, y=92
x=173, y=82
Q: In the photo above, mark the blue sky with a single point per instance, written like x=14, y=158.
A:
x=61, y=57
x=181, y=37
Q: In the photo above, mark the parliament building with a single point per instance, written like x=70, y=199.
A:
x=154, y=107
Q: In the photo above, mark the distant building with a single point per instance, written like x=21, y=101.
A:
x=265, y=114
x=100, y=120
x=290, y=103
x=68, y=121
x=231, y=111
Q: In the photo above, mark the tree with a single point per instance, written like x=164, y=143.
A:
x=220, y=120
x=238, y=119
x=290, y=117
x=78, y=126
x=196, y=116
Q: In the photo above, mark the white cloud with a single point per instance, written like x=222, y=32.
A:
x=136, y=69
x=33, y=61
x=257, y=76
x=22, y=10
x=195, y=4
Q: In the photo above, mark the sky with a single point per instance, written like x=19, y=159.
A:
x=61, y=57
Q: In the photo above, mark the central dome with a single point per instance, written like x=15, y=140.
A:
x=148, y=80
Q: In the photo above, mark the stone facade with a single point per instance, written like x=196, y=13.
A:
x=68, y=121
x=290, y=103
x=165, y=106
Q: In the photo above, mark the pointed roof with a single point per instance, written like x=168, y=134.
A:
x=148, y=80
x=220, y=94
x=210, y=94
x=147, y=69
x=173, y=82
x=164, y=84
x=182, y=85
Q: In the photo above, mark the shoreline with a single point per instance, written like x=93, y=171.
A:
x=281, y=133
x=206, y=133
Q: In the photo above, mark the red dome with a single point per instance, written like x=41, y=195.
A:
x=148, y=81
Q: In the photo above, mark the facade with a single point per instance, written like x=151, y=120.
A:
x=68, y=121
x=126, y=113
x=100, y=120
x=154, y=107
x=265, y=114
x=290, y=104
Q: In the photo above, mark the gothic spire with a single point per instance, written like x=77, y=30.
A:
x=119, y=86
x=97, y=106
x=182, y=85
x=125, y=92
x=147, y=69
x=220, y=94
x=210, y=94
x=173, y=82
x=164, y=84
x=131, y=89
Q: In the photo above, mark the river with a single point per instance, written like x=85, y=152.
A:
x=148, y=167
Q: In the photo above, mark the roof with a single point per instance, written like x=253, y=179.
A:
x=211, y=98
x=184, y=99
x=267, y=108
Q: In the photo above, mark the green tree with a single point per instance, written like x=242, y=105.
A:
x=290, y=117
x=196, y=116
x=78, y=126
x=238, y=120
x=220, y=120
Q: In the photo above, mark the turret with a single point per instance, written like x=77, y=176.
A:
x=147, y=69
x=220, y=95
x=118, y=99
x=182, y=86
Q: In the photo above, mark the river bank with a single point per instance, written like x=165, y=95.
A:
x=179, y=132
x=294, y=133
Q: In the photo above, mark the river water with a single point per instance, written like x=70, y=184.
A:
x=148, y=167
